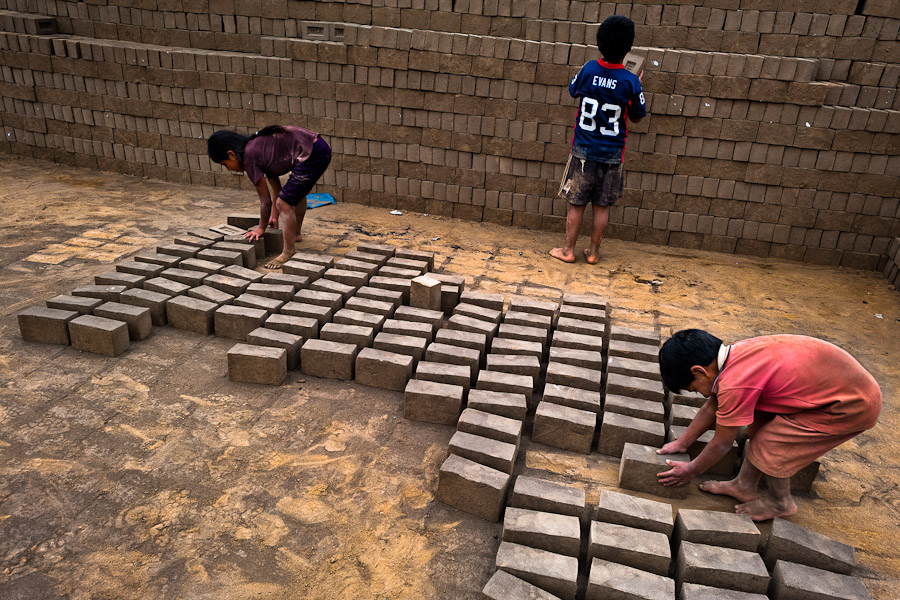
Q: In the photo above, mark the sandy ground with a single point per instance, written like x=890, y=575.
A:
x=150, y=475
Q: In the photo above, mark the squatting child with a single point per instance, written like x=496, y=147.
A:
x=264, y=156
x=608, y=96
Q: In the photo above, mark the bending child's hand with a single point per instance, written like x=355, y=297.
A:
x=254, y=234
x=680, y=474
x=273, y=221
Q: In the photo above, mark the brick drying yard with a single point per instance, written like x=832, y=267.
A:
x=151, y=475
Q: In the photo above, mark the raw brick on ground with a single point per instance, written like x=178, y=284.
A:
x=432, y=402
x=556, y=533
x=631, y=511
x=716, y=528
x=547, y=496
x=45, y=325
x=386, y=370
x=563, y=427
x=637, y=548
x=330, y=360
x=472, y=487
x=716, y=566
x=556, y=573
x=257, y=364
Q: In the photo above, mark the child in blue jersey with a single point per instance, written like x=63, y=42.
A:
x=608, y=95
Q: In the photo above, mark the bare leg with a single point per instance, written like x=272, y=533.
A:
x=574, y=216
x=288, y=232
x=742, y=488
x=601, y=220
x=778, y=502
x=300, y=213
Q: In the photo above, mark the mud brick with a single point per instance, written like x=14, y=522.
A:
x=636, y=548
x=419, y=315
x=478, y=312
x=504, y=404
x=98, y=334
x=432, y=402
x=687, y=399
x=425, y=292
x=489, y=425
x=486, y=451
x=577, y=341
x=359, y=335
x=231, y=229
x=631, y=511
x=243, y=221
x=573, y=397
x=155, y=302
x=273, y=241
x=609, y=580
x=46, y=325
x=331, y=360
x=635, y=407
x=366, y=257
x=305, y=269
x=716, y=528
x=460, y=375
x=550, y=571
x=505, y=382
x=401, y=344
x=242, y=273
x=235, y=322
x=681, y=415
x=418, y=256
x=381, y=369
x=464, y=339
x=270, y=290
x=472, y=487
x=534, y=307
x=546, y=496
x=472, y=325
x=203, y=266
x=410, y=328
x=332, y=300
x=564, y=427
x=353, y=279
x=397, y=284
x=516, y=365
x=259, y=245
x=513, y=317
x=348, y=316
x=418, y=266
x=490, y=301
x=634, y=387
x=207, y=234
x=581, y=313
x=589, y=328
x=449, y=279
x=793, y=543
x=301, y=326
x=270, y=305
x=516, y=347
x=117, y=278
x=585, y=359
x=632, y=350
x=618, y=430
x=398, y=272
x=792, y=581
x=257, y=364
x=196, y=242
x=298, y=282
x=634, y=368
x=380, y=249
x=388, y=297
x=638, y=469
x=572, y=376
x=224, y=257
x=322, y=314
x=234, y=286
x=631, y=334
x=210, y=294
x=139, y=269
x=107, y=293
x=78, y=304
x=520, y=332
x=335, y=287
x=560, y=534
x=290, y=343
x=349, y=264
x=185, y=276
x=137, y=319
x=726, y=464
x=503, y=586
x=375, y=307
x=694, y=591
x=721, y=567
x=326, y=260
x=586, y=301
x=248, y=251
x=154, y=258
x=179, y=250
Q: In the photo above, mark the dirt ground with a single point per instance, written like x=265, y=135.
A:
x=150, y=475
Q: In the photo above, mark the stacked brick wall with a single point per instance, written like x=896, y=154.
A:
x=773, y=128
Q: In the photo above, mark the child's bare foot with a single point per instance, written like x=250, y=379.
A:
x=561, y=254
x=592, y=256
x=729, y=488
x=767, y=507
x=279, y=260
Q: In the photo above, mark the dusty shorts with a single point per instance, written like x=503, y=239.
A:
x=305, y=174
x=587, y=181
x=784, y=445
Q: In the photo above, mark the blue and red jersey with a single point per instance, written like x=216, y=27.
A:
x=609, y=95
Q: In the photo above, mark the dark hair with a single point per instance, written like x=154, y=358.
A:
x=224, y=140
x=615, y=37
x=682, y=351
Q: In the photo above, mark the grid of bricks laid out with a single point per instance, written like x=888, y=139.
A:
x=772, y=132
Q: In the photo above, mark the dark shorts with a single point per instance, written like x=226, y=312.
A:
x=305, y=174
x=587, y=181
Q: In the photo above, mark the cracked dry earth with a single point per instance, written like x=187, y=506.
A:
x=151, y=475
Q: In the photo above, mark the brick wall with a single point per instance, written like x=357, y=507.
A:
x=774, y=125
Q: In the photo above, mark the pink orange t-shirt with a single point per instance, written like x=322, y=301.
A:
x=275, y=155
x=814, y=381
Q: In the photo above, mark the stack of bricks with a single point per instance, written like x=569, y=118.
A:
x=772, y=132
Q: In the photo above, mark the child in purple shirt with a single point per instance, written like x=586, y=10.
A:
x=264, y=156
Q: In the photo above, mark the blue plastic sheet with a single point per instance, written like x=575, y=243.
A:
x=317, y=200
